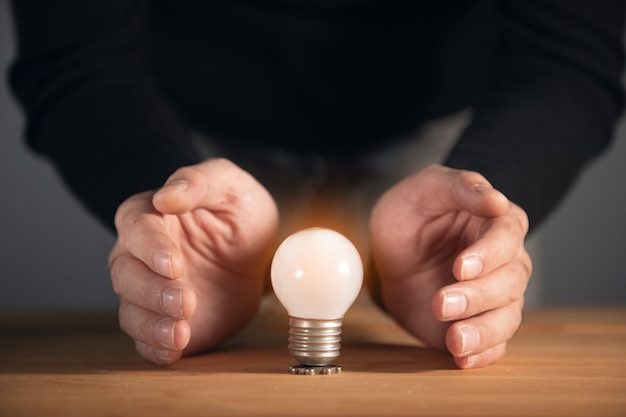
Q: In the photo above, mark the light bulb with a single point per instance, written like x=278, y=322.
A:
x=316, y=274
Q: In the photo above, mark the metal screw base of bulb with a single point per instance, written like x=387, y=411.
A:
x=314, y=343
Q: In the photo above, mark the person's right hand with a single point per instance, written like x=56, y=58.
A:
x=190, y=261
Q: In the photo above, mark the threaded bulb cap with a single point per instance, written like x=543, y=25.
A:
x=314, y=342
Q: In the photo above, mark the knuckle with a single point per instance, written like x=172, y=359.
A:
x=142, y=221
x=518, y=281
x=196, y=173
x=521, y=218
x=526, y=264
x=516, y=312
x=223, y=163
x=126, y=213
x=189, y=173
x=513, y=230
x=120, y=215
x=117, y=268
x=123, y=315
x=472, y=178
x=115, y=253
x=436, y=168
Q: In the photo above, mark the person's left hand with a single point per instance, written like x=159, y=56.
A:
x=449, y=251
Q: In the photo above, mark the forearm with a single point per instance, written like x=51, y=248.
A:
x=552, y=105
x=90, y=105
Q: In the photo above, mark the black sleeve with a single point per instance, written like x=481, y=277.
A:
x=90, y=105
x=555, y=97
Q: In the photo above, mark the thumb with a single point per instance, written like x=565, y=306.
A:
x=439, y=189
x=212, y=184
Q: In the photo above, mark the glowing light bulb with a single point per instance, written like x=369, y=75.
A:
x=317, y=274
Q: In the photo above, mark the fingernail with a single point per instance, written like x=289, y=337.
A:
x=470, y=340
x=163, y=264
x=163, y=355
x=483, y=188
x=180, y=185
x=172, y=302
x=454, y=304
x=471, y=267
x=164, y=331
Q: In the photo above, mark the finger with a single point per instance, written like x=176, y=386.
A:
x=438, y=189
x=142, y=232
x=473, y=193
x=499, y=240
x=501, y=287
x=477, y=334
x=482, y=359
x=214, y=184
x=155, y=330
x=135, y=283
x=157, y=356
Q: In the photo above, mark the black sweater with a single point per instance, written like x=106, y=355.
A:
x=112, y=89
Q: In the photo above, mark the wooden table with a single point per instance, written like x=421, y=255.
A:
x=562, y=362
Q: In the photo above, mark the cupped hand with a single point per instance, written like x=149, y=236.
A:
x=189, y=262
x=449, y=252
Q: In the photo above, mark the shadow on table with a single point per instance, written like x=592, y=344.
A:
x=93, y=343
x=359, y=357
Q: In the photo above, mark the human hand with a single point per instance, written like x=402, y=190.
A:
x=449, y=251
x=189, y=261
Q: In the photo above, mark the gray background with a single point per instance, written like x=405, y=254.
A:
x=53, y=255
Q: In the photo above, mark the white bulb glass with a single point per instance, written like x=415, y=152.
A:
x=317, y=273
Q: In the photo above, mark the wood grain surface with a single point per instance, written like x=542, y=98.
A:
x=562, y=362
